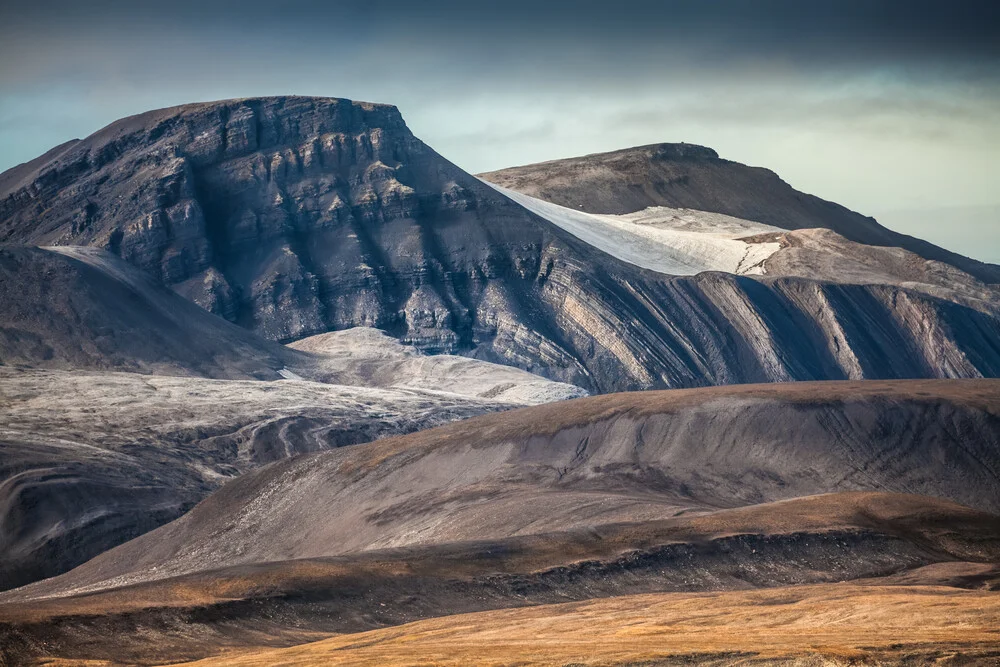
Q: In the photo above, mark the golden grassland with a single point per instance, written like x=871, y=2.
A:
x=821, y=624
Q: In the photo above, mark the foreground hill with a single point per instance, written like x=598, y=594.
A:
x=870, y=538
x=296, y=216
x=604, y=459
x=686, y=176
x=610, y=495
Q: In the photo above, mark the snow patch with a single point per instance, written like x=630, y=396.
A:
x=677, y=242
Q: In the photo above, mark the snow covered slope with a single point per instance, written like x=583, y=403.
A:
x=366, y=357
x=677, y=242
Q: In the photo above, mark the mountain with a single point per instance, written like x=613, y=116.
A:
x=91, y=456
x=688, y=176
x=297, y=216
x=686, y=490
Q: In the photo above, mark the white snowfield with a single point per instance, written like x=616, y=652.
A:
x=366, y=357
x=674, y=241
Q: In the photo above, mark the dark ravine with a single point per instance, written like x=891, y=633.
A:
x=293, y=216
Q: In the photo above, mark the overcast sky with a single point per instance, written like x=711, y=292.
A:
x=888, y=107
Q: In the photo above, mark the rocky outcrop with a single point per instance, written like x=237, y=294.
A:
x=294, y=216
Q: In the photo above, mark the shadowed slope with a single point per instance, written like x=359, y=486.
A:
x=85, y=308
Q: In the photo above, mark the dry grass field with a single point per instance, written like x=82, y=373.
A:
x=825, y=624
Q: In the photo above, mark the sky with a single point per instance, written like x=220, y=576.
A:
x=891, y=108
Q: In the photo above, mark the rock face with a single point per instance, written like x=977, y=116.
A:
x=695, y=177
x=295, y=216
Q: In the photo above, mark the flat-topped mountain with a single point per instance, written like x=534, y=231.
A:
x=290, y=216
x=296, y=216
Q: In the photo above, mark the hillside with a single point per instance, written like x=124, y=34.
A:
x=824, y=624
x=692, y=490
x=603, y=459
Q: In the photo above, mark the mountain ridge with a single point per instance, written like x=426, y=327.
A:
x=297, y=216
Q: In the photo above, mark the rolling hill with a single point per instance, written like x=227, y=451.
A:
x=694, y=490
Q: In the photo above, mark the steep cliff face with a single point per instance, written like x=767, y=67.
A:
x=293, y=216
